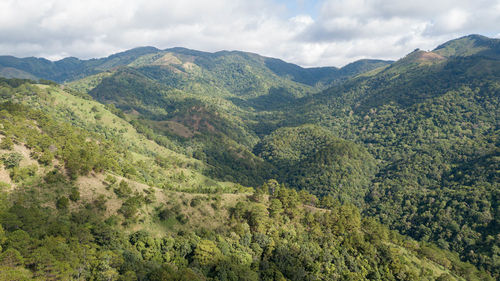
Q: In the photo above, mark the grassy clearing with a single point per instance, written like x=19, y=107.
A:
x=189, y=211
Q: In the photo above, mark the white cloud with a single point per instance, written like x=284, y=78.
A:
x=342, y=31
x=455, y=19
x=355, y=29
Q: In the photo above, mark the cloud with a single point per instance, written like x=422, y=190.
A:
x=353, y=29
x=329, y=32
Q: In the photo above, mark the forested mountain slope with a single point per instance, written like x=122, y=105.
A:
x=432, y=122
x=70, y=69
x=81, y=200
x=312, y=158
x=410, y=145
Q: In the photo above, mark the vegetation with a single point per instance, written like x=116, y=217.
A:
x=433, y=129
x=153, y=179
x=295, y=242
x=312, y=158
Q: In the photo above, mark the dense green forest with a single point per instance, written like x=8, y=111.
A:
x=178, y=164
x=312, y=158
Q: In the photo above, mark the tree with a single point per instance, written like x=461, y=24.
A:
x=130, y=207
x=104, y=267
x=74, y=195
x=207, y=253
x=11, y=258
x=259, y=193
x=123, y=190
x=257, y=217
x=15, y=274
x=275, y=208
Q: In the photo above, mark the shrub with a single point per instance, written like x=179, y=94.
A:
x=110, y=179
x=12, y=160
x=150, y=198
x=100, y=202
x=7, y=143
x=62, y=203
x=130, y=207
x=123, y=190
x=20, y=174
x=74, y=195
x=4, y=185
x=216, y=205
x=183, y=219
x=46, y=158
x=195, y=202
x=165, y=214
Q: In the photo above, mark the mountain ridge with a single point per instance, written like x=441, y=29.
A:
x=474, y=44
x=39, y=67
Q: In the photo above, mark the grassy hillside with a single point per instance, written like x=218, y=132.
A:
x=149, y=162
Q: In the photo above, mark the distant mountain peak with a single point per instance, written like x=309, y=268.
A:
x=186, y=51
x=138, y=51
x=470, y=45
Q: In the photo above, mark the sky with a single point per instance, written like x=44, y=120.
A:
x=305, y=32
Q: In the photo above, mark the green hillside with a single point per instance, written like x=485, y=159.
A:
x=78, y=203
x=470, y=45
x=312, y=158
x=425, y=121
x=179, y=164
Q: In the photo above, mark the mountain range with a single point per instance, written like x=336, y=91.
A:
x=172, y=164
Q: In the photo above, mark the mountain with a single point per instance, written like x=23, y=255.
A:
x=207, y=100
x=472, y=45
x=172, y=164
x=323, y=75
x=422, y=75
x=85, y=195
x=425, y=119
x=70, y=69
